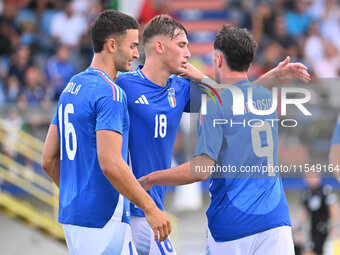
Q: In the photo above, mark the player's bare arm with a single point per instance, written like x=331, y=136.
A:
x=51, y=154
x=284, y=70
x=109, y=145
x=181, y=175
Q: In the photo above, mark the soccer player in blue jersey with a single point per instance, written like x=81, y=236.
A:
x=248, y=213
x=156, y=103
x=86, y=149
x=334, y=154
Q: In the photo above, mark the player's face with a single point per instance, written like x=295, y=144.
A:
x=127, y=50
x=176, y=52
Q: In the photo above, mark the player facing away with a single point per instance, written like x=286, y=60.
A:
x=248, y=213
x=86, y=149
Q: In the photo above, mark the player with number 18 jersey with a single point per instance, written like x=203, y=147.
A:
x=155, y=113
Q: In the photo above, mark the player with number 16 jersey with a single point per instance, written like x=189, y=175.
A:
x=90, y=102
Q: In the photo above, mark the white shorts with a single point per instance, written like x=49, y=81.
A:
x=144, y=239
x=276, y=241
x=114, y=239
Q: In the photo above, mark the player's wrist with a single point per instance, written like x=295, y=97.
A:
x=276, y=73
x=148, y=206
x=151, y=178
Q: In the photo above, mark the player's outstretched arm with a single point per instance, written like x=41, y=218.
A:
x=51, y=155
x=183, y=174
x=334, y=159
x=284, y=70
x=109, y=145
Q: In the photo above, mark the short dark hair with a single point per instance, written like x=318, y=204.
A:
x=237, y=45
x=110, y=23
x=162, y=25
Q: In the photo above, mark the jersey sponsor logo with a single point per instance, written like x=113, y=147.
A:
x=171, y=97
x=142, y=100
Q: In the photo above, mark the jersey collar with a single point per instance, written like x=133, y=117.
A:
x=101, y=72
x=141, y=74
x=244, y=82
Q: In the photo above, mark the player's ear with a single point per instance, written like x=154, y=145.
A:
x=219, y=59
x=111, y=45
x=159, y=47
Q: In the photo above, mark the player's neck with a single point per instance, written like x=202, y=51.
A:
x=155, y=74
x=231, y=77
x=104, y=63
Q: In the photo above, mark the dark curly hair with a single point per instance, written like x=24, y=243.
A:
x=237, y=45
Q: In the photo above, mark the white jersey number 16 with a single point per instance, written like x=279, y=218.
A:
x=69, y=130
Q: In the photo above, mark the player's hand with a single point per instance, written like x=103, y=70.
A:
x=159, y=223
x=286, y=70
x=192, y=73
x=145, y=182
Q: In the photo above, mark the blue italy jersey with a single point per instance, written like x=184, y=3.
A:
x=336, y=134
x=155, y=113
x=90, y=102
x=242, y=202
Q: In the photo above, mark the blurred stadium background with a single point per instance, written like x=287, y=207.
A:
x=44, y=42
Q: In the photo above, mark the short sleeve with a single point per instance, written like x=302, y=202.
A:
x=336, y=134
x=110, y=110
x=210, y=134
x=195, y=93
x=187, y=94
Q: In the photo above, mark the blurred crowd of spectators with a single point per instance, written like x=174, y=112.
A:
x=306, y=30
x=44, y=42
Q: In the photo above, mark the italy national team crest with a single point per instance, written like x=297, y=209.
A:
x=171, y=97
